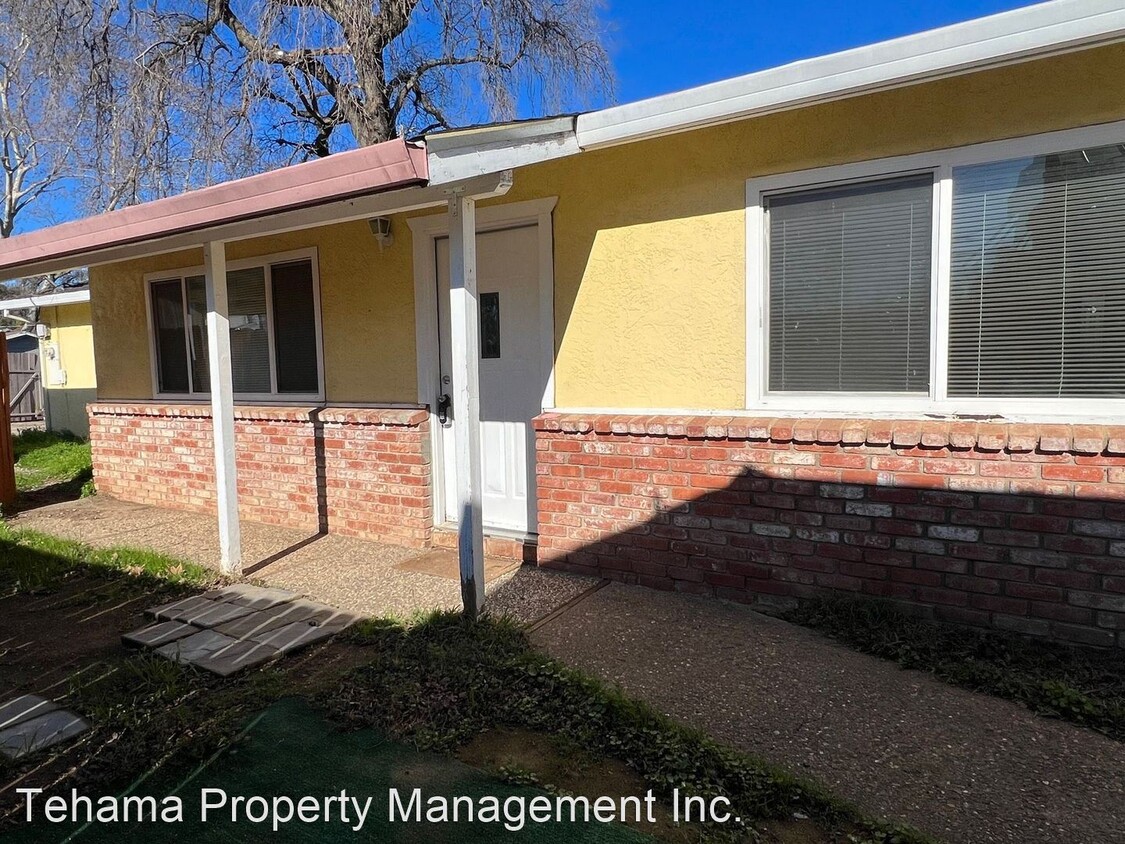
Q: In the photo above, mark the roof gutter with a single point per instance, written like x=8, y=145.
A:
x=46, y=300
x=1020, y=35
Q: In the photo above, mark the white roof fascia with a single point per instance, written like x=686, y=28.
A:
x=464, y=154
x=1019, y=35
x=46, y=300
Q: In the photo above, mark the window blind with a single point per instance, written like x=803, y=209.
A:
x=849, y=288
x=1037, y=290
x=249, y=333
x=294, y=321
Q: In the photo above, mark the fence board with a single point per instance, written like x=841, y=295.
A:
x=7, y=456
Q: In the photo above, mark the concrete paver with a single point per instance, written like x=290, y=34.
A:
x=966, y=767
x=196, y=646
x=158, y=634
x=40, y=732
x=240, y=656
x=24, y=708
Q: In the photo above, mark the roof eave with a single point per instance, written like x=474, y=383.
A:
x=348, y=176
x=1007, y=38
x=46, y=300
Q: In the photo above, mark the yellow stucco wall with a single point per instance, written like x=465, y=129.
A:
x=367, y=308
x=649, y=242
x=72, y=335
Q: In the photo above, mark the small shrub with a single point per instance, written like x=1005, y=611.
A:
x=1079, y=685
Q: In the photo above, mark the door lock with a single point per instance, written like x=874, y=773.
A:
x=443, y=405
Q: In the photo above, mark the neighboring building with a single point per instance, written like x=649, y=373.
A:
x=65, y=347
x=853, y=325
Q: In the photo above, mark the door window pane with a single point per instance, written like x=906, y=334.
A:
x=489, y=325
x=849, y=288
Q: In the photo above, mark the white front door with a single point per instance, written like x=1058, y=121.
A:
x=511, y=374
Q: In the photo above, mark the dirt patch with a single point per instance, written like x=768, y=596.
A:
x=46, y=637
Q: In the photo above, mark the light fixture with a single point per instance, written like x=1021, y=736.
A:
x=381, y=228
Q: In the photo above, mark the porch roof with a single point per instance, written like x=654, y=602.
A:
x=345, y=176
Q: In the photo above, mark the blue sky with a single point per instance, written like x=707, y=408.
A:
x=659, y=46
x=667, y=45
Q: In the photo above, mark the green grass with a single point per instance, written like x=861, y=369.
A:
x=48, y=457
x=1082, y=686
x=30, y=560
x=442, y=680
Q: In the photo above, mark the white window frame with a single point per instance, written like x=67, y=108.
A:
x=938, y=402
x=265, y=262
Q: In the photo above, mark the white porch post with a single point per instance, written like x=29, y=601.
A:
x=465, y=349
x=222, y=406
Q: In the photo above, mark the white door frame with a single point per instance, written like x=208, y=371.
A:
x=426, y=230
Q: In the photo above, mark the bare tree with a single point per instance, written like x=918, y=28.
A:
x=90, y=122
x=37, y=143
x=319, y=75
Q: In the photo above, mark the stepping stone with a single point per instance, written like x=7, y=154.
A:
x=158, y=634
x=237, y=657
x=254, y=597
x=171, y=612
x=279, y=616
x=299, y=634
x=195, y=647
x=24, y=708
x=40, y=732
x=215, y=614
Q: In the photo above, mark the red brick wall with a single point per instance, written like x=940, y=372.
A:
x=1008, y=526
x=373, y=478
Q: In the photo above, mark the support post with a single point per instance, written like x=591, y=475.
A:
x=465, y=354
x=222, y=407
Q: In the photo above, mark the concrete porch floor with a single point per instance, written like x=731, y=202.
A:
x=360, y=576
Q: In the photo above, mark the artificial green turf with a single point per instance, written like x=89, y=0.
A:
x=291, y=750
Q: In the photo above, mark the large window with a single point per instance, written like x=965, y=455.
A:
x=1037, y=289
x=989, y=279
x=274, y=330
x=849, y=294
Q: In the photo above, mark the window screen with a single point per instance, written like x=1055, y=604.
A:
x=294, y=320
x=1037, y=295
x=168, y=323
x=849, y=288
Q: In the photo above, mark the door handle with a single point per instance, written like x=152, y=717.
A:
x=443, y=405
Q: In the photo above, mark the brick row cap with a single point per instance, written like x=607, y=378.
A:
x=926, y=433
x=384, y=416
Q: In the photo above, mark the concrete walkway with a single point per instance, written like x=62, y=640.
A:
x=964, y=767
x=369, y=578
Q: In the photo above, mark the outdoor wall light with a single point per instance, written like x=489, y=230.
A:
x=381, y=228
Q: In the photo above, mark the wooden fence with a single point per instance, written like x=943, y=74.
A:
x=7, y=456
x=25, y=386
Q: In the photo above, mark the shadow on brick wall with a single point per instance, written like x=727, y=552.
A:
x=775, y=521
